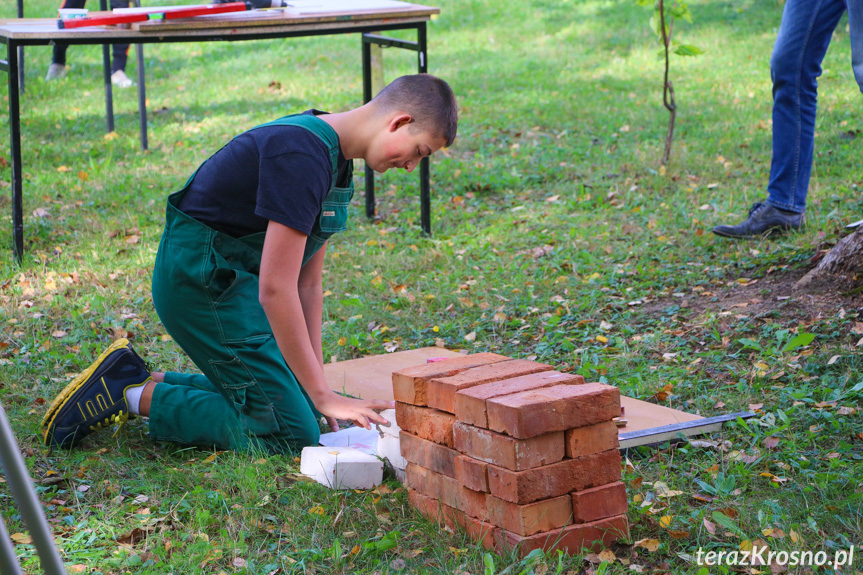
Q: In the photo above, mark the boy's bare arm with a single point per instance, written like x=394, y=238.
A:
x=312, y=299
x=279, y=295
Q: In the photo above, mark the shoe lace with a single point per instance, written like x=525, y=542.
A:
x=756, y=207
x=118, y=419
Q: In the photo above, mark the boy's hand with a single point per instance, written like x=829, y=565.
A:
x=360, y=411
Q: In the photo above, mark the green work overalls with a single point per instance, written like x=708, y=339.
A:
x=205, y=290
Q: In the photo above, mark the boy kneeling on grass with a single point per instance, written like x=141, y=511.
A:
x=237, y=281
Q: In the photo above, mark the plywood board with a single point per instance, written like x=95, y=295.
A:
x=647, y=423
x=372, y=377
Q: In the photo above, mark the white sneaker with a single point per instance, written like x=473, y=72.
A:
x=55, y=72
x=121, y=80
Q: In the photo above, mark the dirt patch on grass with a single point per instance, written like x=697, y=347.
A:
x=772, y=295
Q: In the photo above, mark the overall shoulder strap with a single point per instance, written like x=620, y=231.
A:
x=310, y=122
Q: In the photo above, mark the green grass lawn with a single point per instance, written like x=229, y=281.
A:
x=556, y=236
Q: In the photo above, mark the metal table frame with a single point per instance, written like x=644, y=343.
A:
x=13, y=66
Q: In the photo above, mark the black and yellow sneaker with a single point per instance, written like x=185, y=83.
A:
x=96, y=398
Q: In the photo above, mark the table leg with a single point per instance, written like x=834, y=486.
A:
x=109, y=94
x=425, y=171
x=21, y=51
x=142, y=96
x=15, y=149
x=106, y=72
x=367, y=97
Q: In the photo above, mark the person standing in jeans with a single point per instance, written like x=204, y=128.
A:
x=804, y=35
x=119, y=52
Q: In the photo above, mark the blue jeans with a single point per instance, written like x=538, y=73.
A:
x=804, y=35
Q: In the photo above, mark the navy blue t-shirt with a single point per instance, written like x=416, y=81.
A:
x=279, y=173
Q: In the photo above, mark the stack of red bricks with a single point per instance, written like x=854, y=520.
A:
x=517, y=454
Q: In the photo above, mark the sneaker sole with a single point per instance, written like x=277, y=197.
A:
x=76, y=384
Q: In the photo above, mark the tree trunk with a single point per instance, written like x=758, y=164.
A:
x=842, y=262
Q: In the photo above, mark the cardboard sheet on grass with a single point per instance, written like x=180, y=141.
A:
x=647, y=423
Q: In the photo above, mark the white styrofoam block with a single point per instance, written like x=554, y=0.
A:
x=393, y=428
x=389, y=448
x=342, y=467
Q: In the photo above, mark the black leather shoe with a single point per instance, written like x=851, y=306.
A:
x=763, y=219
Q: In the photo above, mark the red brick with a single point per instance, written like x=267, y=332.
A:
x=506, y=451
x=435, y=485
x=469, y=403
x=472, y=473
x=480, y=531
x=427, y=453
x=532, y=518
x=432, y=508
x=572, y=539
x=556, y=479
x=409, y=384
x=443, y=515
x=472, y=502
x=558, y=408
x=425, y=422
x=442, y=390
x=591, y=439
x=599, y=502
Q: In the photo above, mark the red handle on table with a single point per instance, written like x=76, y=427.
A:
x=172, y=14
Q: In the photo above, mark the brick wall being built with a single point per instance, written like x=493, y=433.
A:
x=517, y=454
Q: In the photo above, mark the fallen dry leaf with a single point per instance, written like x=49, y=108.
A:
x=21, y=538
x=770, y=442
x=649, y=544
x=729, y=512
